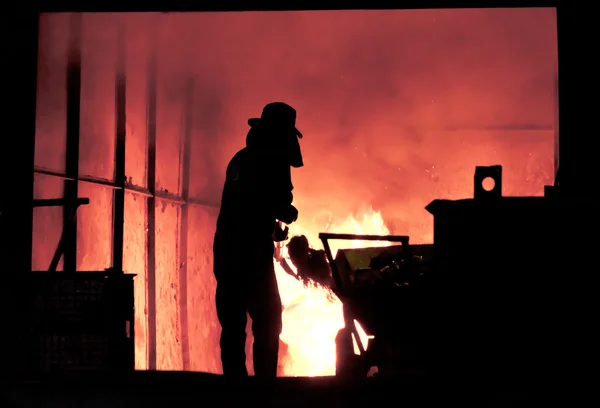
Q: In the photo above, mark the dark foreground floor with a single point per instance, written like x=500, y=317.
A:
x=177, y=389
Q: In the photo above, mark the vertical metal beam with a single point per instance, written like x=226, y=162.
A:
x=72, y=152
x=183, y=230
x=151, y=215
x=20, y=53
x=120, y=138
x=576, y=151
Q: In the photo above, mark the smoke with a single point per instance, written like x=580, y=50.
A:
x=374, y=91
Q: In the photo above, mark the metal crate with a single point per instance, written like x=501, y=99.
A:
x=78, y=322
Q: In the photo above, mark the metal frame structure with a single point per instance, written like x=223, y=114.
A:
x=72, y=177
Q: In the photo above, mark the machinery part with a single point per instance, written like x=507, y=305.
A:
x=341, y=280
x=344, y=356
x=375, y=308
x=311, y=264
x=87, y=322
x=348, y=365
x=501, y=302
x=481, y=174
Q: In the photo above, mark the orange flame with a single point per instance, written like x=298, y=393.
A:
x=312, y=315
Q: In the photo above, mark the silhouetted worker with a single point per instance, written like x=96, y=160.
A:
x=257, y=194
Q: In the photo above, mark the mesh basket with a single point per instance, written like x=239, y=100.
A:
x=79, y=322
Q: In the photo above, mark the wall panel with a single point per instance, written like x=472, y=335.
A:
x=167, y=288
x=134, y=261
x=94, y=228
x=98, y=70
x=204, y=329
x=169, y=123
x=47, y=222
x=137, y=86
x=51, y=130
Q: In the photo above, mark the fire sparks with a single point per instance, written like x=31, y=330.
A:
x=312, y=315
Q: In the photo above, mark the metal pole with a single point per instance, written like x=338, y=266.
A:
x=151, y=215
x=120, y=139
x=72, y=152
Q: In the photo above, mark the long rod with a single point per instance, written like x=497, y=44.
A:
x=131, y=188
x=151, y=215
x=120, y=139
x=353, y=237
x=72, y=151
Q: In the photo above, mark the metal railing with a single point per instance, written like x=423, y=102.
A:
x=134, y=189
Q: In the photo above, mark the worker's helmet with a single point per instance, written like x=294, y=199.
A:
x=276, y=127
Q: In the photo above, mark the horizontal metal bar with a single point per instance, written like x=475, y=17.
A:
x=494, y=128
x=60, y=202
x=253, y=6
x=84, y=179
x=203, y=203
x=161, y=195
x=138, y=190
x=352, y=237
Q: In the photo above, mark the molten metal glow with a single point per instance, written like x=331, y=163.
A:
x=364, y=338
x=312, y=315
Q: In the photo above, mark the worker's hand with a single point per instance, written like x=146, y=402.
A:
x=289, y=215
x=294, y=212
x=280, y=234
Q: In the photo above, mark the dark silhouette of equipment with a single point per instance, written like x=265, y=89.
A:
x=490, y=173
x=382, y=290
x=482, y=304
x=76, y=321
x=497, y=270
x=311, y=264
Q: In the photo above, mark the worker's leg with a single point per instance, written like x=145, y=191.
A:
x=231, y=302
x=265, y=309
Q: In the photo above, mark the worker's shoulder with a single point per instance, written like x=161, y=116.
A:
x=244, y=163
x=244, y=159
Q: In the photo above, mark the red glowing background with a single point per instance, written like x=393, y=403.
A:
x=397, y=108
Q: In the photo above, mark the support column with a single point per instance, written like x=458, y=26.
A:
x=151, y=215
x=120, y=139
x=576, y=137
x=72, y=152
x=20, y=53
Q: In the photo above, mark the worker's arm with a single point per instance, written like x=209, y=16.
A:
x=263, y=186
x=274, y=186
